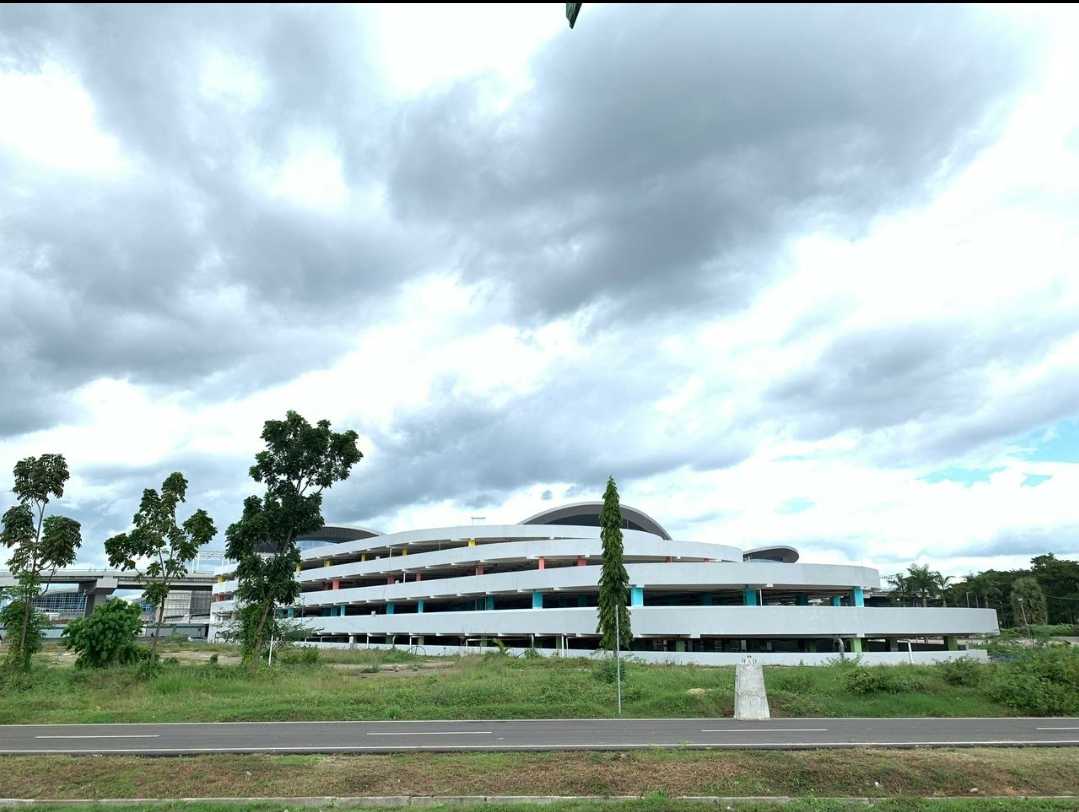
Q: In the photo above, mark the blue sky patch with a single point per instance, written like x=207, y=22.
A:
x=964, y=476
x=1034, y=480
x=796, y=505
x=1058, y=443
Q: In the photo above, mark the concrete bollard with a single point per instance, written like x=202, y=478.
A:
x=750, y=697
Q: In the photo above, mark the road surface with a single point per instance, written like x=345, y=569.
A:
x=546, y=734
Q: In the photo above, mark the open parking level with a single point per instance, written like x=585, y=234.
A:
x=544, y=734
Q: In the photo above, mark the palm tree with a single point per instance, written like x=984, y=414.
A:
x=941, y=584
x=921, y=582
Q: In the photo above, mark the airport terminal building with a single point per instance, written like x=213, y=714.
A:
x=534, y=585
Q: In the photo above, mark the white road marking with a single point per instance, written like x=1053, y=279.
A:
x=764, y=730
x=103, y=736
x=438, y=733
x=1057, y=728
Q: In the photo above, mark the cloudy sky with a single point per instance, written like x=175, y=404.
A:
x=792, y=275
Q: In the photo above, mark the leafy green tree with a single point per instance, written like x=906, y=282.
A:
x=1059, y=579
x=11, y=618
x=159, y=549
x=107, y=637
x=940, y=586
x=300, y=461
x=1028, y=601
x=921, y=582
x=614, y=581
x=40, y=543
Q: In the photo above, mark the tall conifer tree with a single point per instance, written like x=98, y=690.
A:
x=614, y=582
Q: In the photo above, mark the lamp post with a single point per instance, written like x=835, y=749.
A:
x=617, y=660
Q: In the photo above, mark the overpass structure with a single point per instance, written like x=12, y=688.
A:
x=99, y=584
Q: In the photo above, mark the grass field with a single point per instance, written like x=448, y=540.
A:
x=658, y=804
x=824, y=773
x=378, y=685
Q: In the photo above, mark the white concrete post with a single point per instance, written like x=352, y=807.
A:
x=750, y=697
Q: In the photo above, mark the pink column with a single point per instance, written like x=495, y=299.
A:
x=582, y=562
x=335, y=583
x=542, y=564
x=390, y=579
x=479, y=569
x=419, y=576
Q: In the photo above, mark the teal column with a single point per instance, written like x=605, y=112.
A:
x=636, y=596
x=706, y=599
x=291, y=612
x=489, y=603
x=858, y=596
x=749, y=597
x=419, y=606
x=340, y=611
x=389, y=607
x=537, y=600
x=837, y=600
x=801, y=599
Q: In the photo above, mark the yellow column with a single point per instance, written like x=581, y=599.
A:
x=327, y=562
x=404, y=551
x=471, y=542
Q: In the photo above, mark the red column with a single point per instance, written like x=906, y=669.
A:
x=582, y=562
x=390, y=579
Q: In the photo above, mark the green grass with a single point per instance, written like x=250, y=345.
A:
x=657, y=804
x=396, y=685
x=671, y=773
x=824, y=692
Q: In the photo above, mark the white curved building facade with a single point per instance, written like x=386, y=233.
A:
x=534, y=585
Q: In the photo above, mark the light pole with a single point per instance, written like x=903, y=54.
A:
x=617, y=660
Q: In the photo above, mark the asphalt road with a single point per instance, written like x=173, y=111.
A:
x=545, y=734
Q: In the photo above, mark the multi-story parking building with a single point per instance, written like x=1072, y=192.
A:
x=534, y=585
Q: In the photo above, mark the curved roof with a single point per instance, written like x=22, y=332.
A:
x=586, y=514
x=336, y=535
x=779, y=552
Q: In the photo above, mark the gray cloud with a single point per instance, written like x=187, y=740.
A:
x=665, y=154
x=656, y=168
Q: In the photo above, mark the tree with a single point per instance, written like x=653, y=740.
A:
x=940, y=586
x=921, y=582
x=40, y=543
x=299, y=463
x=107, y=636
x=614, y=581
x=166, y=547
x=1028, y=601
x=1059, y=580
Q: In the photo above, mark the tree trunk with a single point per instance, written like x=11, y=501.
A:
x=24, y=651
x=157, y=631
x=257, y=642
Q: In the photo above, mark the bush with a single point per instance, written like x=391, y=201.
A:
x=882, y=679
x=606, y=670
x=11, y=619
x=107, y=636
x=1040, y=681
x=964, y=671
x=304, y=655
x=792, y=680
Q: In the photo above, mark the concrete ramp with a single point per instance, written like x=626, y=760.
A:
x=750, y=697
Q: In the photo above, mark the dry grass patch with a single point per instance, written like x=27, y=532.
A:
x=876, y=773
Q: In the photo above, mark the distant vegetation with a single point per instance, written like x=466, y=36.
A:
x=305, y=684
x=1049, y=591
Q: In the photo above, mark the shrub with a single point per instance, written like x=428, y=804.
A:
x=792, y=680
x=11, y=618
x=606, y=670
x=107, y=636
x=882, y=679
x=963, y=671
x=303, y=655
x=1041, y=681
